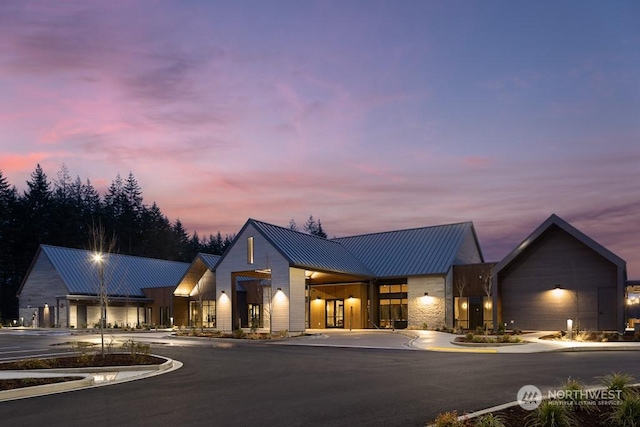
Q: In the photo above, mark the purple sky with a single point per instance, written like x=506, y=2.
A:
x=370, y=115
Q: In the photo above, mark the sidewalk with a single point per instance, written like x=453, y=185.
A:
x=440, y=341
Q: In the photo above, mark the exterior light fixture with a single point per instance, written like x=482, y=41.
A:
x=318, y=298
x=558, y=286
x=350, y=296
x=222, y=292
x=279, y=289
x=464, y=305
x=426, y=294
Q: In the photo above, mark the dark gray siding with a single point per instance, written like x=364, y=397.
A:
x=556, y=257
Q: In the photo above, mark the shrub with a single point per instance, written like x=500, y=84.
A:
x=480, y=330
x=575, y=399
x=239, y=333
x=617, y=381
x=425, y=326
x=627, y=414
x=501, y=329
x=32, y=364
x=469, y=336
x=490, y=420
x=448, y=419
x=550, y=414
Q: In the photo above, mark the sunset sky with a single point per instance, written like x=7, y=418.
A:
x=371, y=115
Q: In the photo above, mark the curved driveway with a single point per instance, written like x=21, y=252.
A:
x=233, y=383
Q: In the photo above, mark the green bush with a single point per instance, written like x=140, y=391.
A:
x=239, y=333
x=469, y=336
x=480, y=330
x=490, y=420
x=550, y=414
x=32, y=364
x=575, y=399
x=627, y=414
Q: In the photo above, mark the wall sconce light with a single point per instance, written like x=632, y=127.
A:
x=222, y=292
x=279, y=289
x=558, y=286
x=426, y=294
x=318, y=298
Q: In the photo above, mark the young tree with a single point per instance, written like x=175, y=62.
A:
x=487, y=285
x=292, y=225
x=102, y=246
x=461, y=283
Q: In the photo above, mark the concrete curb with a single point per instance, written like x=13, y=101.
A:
x=129, y=368
x=86, y=382
x=487, y=344
x=20, y=393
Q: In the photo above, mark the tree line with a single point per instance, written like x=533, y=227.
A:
x=63, y=213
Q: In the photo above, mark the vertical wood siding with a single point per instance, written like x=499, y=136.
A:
x=528, y=300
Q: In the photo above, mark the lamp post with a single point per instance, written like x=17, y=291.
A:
x=99, y=259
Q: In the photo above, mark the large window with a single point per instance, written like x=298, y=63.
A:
x=206, y=318
x=394, y=303
x=255, y=315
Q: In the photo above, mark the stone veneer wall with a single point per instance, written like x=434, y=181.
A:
x=430, y=309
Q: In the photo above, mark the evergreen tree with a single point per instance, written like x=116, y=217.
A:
x=320, y=231
x=292, y=225
x=9, y=271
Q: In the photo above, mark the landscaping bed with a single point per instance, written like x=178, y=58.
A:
x=618, y=405
x=83, y=361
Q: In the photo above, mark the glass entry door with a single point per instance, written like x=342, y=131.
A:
x=335, y=313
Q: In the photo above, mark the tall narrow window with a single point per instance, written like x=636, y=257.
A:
x=250, y=250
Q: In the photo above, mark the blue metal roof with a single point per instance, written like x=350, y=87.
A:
x=209, y=260
x=304, y=250
x=123, y=275
x=418, y=251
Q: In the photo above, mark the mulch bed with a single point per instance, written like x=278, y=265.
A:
x=115, y=359
x=12, y=383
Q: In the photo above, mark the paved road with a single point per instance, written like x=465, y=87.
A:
x=243, y=383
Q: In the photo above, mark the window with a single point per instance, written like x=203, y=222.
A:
x=250, y=250
x=394, y=304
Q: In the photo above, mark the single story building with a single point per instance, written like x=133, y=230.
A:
x=280, y=279
x=559, y=273
x=62, y=288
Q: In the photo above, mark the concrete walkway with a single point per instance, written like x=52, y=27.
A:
x=409, y=339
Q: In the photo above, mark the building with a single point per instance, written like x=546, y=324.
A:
x=62, y=288
x=559, y=273
x=283, y=280
x=395, y=279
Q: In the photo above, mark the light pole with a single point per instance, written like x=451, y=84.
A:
x=99, y=259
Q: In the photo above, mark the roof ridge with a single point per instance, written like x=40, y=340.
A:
x=112, y=253
x=404, y=229
x=292, y=231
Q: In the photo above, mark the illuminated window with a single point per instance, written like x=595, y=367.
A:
x=250, y=250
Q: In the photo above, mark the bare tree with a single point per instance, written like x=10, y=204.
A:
x=461, y=283
x=487, y=286
x=102, y=246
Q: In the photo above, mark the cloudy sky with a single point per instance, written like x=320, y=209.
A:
x=372, y=115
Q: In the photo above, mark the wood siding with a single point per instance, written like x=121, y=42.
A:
x=526, y=286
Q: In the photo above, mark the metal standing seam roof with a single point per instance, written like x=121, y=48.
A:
x=418, y=251
x=313, y=252
x=124, y=275
x=209, y=260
